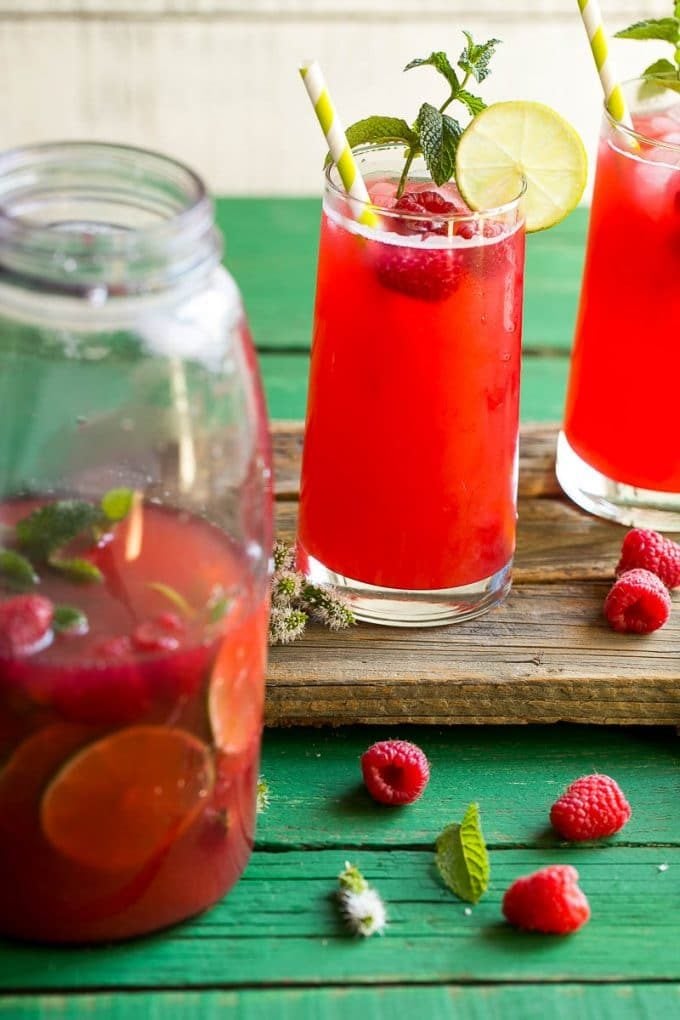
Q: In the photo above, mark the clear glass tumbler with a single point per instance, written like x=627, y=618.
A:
x=409, y=472
x=618, y=455
x=135, y=537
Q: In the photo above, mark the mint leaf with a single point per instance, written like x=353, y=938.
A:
x=439, y=135
x=659, y=67
x=16, y=570
x=379, y=131
x=441, y=63
x=474, y=104
x=76, y=569
x=474, y=59
x=461, y=857
x=69, y=620
x=54, y=525
x=667, y=29
x=117, y=503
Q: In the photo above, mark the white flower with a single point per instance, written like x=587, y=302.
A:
x=363, y=911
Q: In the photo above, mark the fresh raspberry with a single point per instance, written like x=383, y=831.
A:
x=548, y=901
x=395, y=771
x=159, y=634
x=591, y=808
x=638, y=603
x=651, y=551
x=25, y=623
x=418, y=202
x=430, y=274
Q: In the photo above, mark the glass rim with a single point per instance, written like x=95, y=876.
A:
x=40, y=154
x=630, y=132
x=494, y=212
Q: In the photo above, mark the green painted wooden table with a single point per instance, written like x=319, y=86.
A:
x=274, y=947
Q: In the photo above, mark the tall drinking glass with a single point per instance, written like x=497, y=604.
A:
x=135, y=534
x=619, y=455
x=409, y=474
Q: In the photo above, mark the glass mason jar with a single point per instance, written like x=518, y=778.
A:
x=408, y=498
x=618, y=455
x=135, y=537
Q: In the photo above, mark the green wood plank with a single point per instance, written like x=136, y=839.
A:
x=524, y=1002
x=515, y=773
x=280, y=925
x=543, y=383
x=271, y=246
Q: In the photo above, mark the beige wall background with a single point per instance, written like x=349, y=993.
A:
x=214, y=82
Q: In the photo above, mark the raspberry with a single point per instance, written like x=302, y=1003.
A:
x=25, y=623
x=418, y=202
x=591, y=808
x=651, y=551
x=638, y=603
x=548, y=901
x=430, y=274
x=159, y=634
x=395, y=771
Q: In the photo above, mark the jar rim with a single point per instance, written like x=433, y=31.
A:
x=159, y=222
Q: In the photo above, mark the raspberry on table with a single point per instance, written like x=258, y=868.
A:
x=25, y=625
x=592, y=807
x=649, y=550
x=638, y=603
x=395, y=771
x=548, y=901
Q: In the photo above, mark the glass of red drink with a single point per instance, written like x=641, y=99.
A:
x=135, y=534
x=409, y=472
x=618, y=454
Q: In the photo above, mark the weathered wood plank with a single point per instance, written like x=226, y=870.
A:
x=281, y=921
x=515, y=774
x=546, y=655
x=530, y=1002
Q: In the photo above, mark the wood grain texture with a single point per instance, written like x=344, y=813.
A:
x=281, y=920
x=546, y=655
x=514, y=773
x=438, y=1002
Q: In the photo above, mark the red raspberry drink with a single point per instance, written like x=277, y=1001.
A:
x=618, y=456
x=129, y=738
x=408, y=491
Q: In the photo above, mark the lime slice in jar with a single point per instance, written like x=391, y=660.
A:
x=122, y=799
x=517, y=141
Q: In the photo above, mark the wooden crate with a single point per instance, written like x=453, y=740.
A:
x=546, y=655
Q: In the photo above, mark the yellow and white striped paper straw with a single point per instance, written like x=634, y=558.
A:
x=338, y=145
x=599, y=44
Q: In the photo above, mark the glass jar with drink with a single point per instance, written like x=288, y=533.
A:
x=135, y=534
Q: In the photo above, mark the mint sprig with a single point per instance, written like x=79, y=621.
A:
x=44, y=533
x=462, y=859
x=434, y=133
x=662, y=72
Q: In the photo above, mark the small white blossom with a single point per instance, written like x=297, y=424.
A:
x=364, y=912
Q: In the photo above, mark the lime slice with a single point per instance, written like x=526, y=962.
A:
x=515, y=141
x=123, y=799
